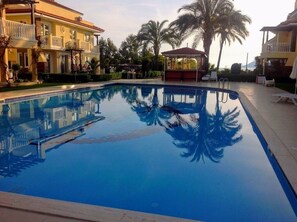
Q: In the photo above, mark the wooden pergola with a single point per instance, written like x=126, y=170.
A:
x=184, y=64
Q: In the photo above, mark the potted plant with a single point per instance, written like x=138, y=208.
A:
x=15, y=68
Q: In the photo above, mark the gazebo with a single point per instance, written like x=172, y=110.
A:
x=184, y=64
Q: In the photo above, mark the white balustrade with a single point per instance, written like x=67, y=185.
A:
x=17, y=30
x=276, y=47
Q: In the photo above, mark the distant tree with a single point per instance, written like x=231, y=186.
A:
x=146, y=59
x=108, y=53
x=130, y=49
x=236, y=68
x=155, y=34
x=259, y=67
x=231, y=28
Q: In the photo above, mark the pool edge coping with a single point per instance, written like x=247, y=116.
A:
x=275, y=145
x=56, y=209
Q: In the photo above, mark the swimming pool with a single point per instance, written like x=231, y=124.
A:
x=178, y=151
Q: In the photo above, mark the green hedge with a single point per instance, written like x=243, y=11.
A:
x=106, y=77
x=79, y=77
x=239, y=77
x=153, y=74
x=66, y=78
x=25, y=76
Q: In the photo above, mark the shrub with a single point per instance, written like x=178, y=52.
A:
x=236, y=68
x=249, y=77
x=153, y=74
x=106, y=77
x=66, y=78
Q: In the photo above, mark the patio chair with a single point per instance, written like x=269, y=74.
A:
x=205, y=77
x=284, y=97
x=210, y=77
x=268, y=81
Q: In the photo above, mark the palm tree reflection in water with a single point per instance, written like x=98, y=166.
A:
x=151, y=112
x=191, y=126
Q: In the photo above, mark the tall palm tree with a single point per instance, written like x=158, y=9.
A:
x=154, y=33
x=180, y=36
x=232, y=27
x=201, y=17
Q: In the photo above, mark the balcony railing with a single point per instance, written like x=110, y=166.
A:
x=81, y=45
x=74, y=44
x=52, y=42
x=276, y=47
x=17, y=30
x=85, y=46
x=58, y=42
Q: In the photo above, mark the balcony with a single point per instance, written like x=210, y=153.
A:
x=73, y=45
x=272, y=47
x=53, y=42
x=22, y=35
x=87, y=47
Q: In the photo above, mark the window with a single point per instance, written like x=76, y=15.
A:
x=23, y=59
x=73, y=34
x=45, y=29
x=87, y=37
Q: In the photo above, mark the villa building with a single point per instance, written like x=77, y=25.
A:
x=62, y=40
x=279, y=46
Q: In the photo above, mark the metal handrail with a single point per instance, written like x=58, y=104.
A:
x=221, y=84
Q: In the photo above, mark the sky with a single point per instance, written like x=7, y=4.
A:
x=119, y=18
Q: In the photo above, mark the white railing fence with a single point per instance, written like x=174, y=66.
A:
x=17, y=30
x=276, y=47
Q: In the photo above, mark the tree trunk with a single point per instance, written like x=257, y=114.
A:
x=220, y=54
x=34, y=65
x=206, y=45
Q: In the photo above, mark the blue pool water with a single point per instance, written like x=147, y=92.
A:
x=177, y=151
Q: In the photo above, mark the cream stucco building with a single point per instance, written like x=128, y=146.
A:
x=279, y=48
x=66, y=41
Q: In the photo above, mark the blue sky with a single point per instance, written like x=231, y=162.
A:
x=119, y=18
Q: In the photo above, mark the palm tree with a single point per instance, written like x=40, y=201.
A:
x=94, y=64
x=155, y=34
x=232, y=27
x=180, y=37
x=201, y=17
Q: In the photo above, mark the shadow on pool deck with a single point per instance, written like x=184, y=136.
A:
x=276, y=121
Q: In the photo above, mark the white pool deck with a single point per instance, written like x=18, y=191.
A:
x=277, y=122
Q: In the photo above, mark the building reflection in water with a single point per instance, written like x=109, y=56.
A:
x=29, y=128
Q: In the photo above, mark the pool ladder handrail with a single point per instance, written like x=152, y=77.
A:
x=222, y=82
x=221, y=85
